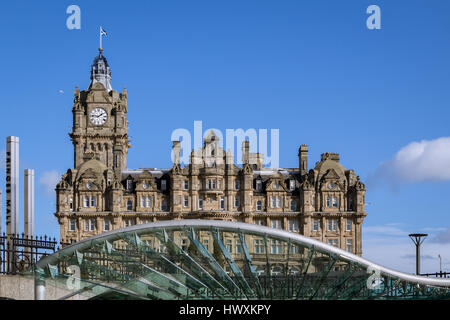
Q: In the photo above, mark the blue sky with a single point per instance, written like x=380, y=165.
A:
x=311, y=69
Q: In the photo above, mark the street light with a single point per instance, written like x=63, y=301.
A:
x=440, y=264
x=418, y=239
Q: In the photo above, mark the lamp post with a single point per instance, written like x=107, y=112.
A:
x=418, y=239
x=440, y=264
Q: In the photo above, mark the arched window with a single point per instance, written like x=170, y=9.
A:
x=129, y=205
x=294, y=270
x=276, y=271
x=260, y=271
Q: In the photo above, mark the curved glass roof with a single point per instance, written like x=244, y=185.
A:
x=207, y=259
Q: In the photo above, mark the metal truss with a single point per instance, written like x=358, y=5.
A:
x=172, y=260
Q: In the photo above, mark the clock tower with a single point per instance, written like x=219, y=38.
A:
x=100, y=121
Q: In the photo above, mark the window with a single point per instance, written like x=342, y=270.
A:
x=129, y=205
x=259, y=205
x=71, y=204
x=149, y=202
x=200, y=203
x=129, y=184
x=258, y=185
x=293, y=205
x=328, y=202
x=349, y=245
x=275, y=185
x=129, y=222
x=238, y=247
x=186, y=184
x=273, y=202
x=184, y=244
x=142, y=202
x=294, y=270
x=86, y=225
x=206, y=244
x=222, y=203
x=332, y=224
x=163, y=185
x=293, y=225
x=211, y=184
x=107, y=225
x=92, y=224
x=236, y=201
x=260, y=222
x=236, y=184
x=275, y=247
x=291, y=185
x=186, y=201
x=259, y=246
x=93, y=201
x=276, y=224
x=229, y=245
x=72, y=225
x=335, y=202
x=260, y=271
x=333, y=242
x=276, y=271
x=86, y=201
x=349, y=224
x=164, y=205
x=316, y=225
x=295, y=249
x=278, y=202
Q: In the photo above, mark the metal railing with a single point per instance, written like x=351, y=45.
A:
x=437, y=274
x=19, y=252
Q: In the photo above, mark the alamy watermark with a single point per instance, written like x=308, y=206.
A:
x=258, y=140
x=74, y=20
x=374, y=20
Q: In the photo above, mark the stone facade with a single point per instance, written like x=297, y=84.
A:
x=100, y=194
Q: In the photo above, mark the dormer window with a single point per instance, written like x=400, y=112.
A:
x=258, y=185
x=236, y=184
x=291, y=185
x=129, y=184
x=163, y=185
x=275, y=185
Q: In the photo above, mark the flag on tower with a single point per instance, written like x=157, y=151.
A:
x=102, y=32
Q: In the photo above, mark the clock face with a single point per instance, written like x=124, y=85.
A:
x=98, y=116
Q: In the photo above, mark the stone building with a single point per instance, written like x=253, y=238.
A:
x=100, y=193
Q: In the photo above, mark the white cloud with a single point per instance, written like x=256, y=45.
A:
x=48, y=181
x=427, y=160
x=442, y=237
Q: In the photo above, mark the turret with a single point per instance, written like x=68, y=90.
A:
x=303, y=159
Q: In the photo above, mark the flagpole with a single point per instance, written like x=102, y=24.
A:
x=100, y=37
